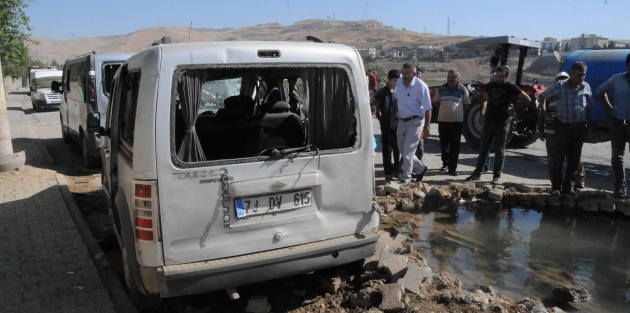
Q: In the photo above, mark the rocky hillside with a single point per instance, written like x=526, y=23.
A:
x=360, y=34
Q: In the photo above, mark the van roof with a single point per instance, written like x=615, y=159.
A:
x=230, y=52
x=103, y=57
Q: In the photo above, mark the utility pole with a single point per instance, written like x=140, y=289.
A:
x=366, y=12
x=448, y=26
x=189, y=29
x=8, y=160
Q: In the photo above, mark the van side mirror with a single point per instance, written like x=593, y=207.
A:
x=55, y=86
x=93, y=122
x=33, y=88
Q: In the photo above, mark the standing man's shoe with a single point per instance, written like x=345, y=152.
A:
x=421, y=175
x=443, y=168
x=619, y=193
x=453, y=173
x=474, y=176
x=495, y=179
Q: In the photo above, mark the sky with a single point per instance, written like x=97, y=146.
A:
x=532, y=19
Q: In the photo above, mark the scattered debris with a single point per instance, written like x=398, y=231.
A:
x=569, y=293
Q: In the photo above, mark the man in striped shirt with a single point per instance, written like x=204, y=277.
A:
x=452, y=100
x=546, y=129
x=573, y=114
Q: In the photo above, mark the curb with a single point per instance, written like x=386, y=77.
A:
x=118, y=294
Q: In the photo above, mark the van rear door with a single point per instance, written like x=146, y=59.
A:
x=234, y=201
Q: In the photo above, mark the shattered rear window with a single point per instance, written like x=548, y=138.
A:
x=246, y=113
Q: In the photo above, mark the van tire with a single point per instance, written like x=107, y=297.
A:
x=35, y=106
x=143, y=302
x=89, y=161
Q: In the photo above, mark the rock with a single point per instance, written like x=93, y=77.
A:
x=499, y=187
x=406, y=204
x=402, y=194
x=496, y=194
x=537, y=189
x=624, y=207
x=445, y=280
x=392, y=187
x=258, y=304
x=425, y=188
x=479, y=184
x=487, y=187
x=569, y=293
x=414, y=277
x=512, y=189
x=331, y=284
x=400, y=238
x=435, y=193
x=385, y=255
x=547, y=189
x=374, y=310
x=388, y=205
x=418, y=194
x=606, y=205
x=488, y=289
x=524, y=188
x=538, y=201
x=556, y=309
x=379, y=191
x=593, y=206
x=392, y=297
x=554, y=202
x=418, y=203
x=568, y=202
x=362, y=298
x=396, y=267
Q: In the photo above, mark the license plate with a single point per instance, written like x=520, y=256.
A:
x=269, y=204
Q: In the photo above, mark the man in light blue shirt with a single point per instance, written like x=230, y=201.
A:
x=573, y=123
x=412, y=108
x=618, y=87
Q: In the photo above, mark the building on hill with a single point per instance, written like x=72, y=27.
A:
x=588, y=41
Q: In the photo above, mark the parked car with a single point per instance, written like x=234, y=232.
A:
x=214, y=178
x=86, y=86
x=42, y=96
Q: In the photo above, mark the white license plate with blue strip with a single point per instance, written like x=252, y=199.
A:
x=269, y=204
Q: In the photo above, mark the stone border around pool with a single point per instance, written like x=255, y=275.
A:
x=418, y=195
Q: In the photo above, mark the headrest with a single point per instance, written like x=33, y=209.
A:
x=280, y=107
x=231, y=114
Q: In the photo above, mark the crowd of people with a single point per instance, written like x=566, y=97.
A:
x=404, y=108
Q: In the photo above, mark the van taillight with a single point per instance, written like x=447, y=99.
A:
x=145, y=207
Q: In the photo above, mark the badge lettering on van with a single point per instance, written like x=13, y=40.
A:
x=201, y=174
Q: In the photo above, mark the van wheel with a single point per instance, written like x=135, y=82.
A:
x=64, y=133
x=35, y=106
x=143, y=302
x=89, y=161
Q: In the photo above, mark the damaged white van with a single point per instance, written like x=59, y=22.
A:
x=216, y=180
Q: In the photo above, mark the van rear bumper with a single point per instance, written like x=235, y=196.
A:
x=193, y=278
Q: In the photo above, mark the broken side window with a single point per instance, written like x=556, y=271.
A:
x=244, y=112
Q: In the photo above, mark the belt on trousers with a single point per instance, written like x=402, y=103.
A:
x=625, y=122
x=409, y=118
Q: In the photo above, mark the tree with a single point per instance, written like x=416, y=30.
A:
x=13, y=55
x=557, y=48
x=55, y=64
x=566, y=47
x=597, y=46
x=611, y=44
x=14, y=34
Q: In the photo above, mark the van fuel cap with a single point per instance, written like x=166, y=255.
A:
x=277, y=236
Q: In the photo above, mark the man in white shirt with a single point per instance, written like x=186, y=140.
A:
x=412, y=107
